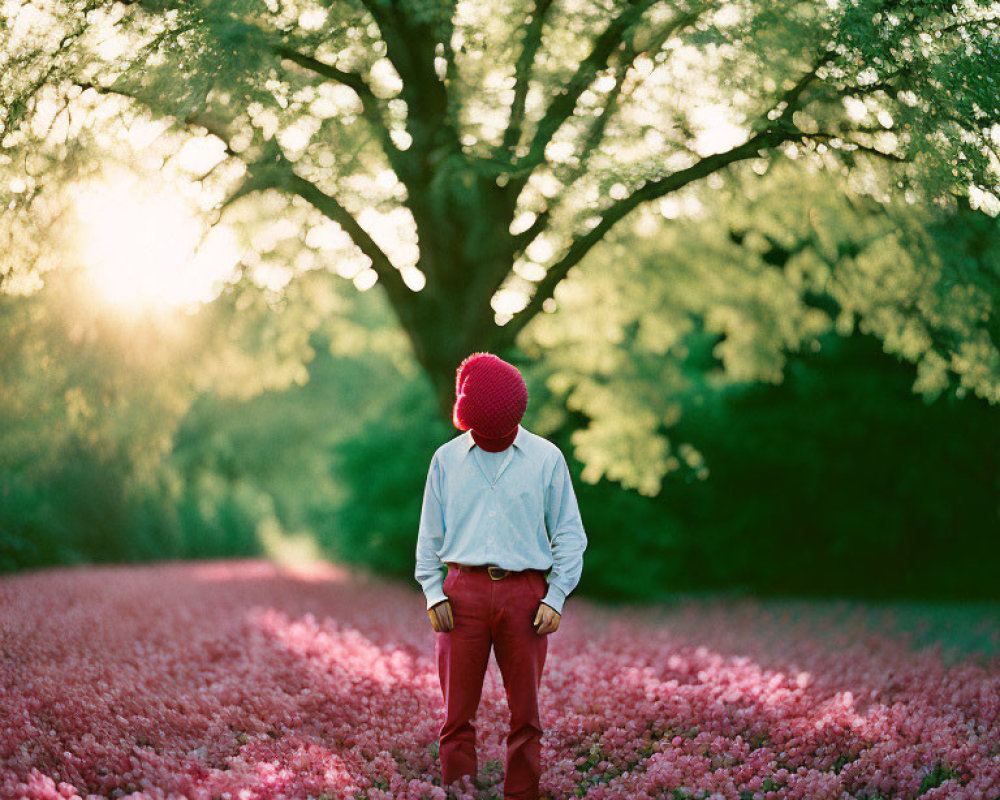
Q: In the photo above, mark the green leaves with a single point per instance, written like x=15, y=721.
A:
x=765, y=269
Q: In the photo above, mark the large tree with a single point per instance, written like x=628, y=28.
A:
x=499, y=143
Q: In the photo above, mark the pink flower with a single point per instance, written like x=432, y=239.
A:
x=242, y=680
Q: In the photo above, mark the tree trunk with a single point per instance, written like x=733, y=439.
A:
x=443, y=332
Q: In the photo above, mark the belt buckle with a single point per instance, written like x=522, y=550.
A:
x=503, y=573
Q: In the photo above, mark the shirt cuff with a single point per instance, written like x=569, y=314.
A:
x=435, y=594
x=554, y=598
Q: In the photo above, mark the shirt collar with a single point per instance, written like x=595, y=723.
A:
x=518, y=439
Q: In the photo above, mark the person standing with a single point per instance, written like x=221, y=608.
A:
x=499, y=511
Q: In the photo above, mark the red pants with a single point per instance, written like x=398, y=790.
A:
x=497, y=613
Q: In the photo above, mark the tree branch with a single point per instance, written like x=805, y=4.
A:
x=522, y=71
x=769, y=133
x=598, y=127
x=786, y=105
x=399, y=293
x=857, y=146
x=349, y=79
x=371, y=107
x=216, y=127
x=527, y=236
x=762, y=140
x=561, y=108
x=450, y=68
x=791, y=99
x=410, y=50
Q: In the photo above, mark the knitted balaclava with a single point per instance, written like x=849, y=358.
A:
x=490, y=398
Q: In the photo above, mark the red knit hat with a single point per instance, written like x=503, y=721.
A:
x=490, y=398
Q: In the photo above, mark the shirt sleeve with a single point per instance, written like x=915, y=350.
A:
x=430, y=536
x=567, y=537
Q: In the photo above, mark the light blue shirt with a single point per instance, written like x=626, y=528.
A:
x=515, y=509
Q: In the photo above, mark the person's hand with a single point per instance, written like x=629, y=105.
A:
x=441, y=617
x=546, y=619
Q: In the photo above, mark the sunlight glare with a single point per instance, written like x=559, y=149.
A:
x=140, y=244
x=715, y=130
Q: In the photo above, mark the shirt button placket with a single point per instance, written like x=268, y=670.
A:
x=489, y=546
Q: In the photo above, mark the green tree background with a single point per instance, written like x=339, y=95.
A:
x=773, y=358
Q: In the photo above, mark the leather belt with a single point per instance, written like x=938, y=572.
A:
x=496, y=573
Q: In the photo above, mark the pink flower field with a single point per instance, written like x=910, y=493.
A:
x=239, y=680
